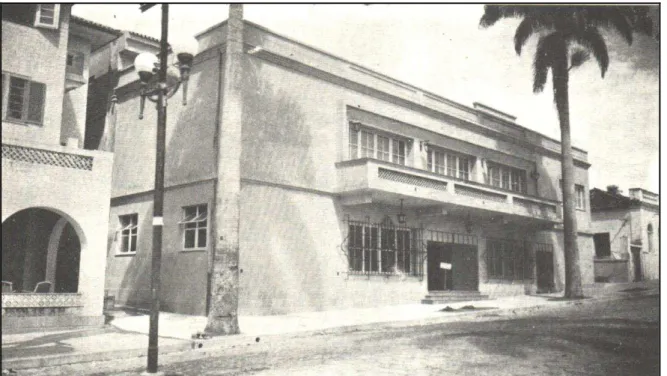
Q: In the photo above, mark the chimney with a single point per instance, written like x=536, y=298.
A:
x=613, y=189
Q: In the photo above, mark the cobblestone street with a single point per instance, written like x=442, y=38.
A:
x=603, y=338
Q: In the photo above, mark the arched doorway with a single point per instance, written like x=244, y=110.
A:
x=40, y=245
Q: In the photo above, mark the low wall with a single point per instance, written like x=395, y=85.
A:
x=611, y=270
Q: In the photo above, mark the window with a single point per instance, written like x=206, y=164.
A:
x=579, y=195
x=507, y=260
x=40, y=15
x=23, y=100
x=602, y=245
x=128, y=233
x=649, y=234
x=195, y=227
x=506, y=177
x=365, y=143
x=75, y=63
x=47, y=15
x=448, y=163
x=380, y=249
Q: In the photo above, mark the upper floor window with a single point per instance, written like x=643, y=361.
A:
x=74, y=63
x=649, y=234
x=40, y=15
x=579, y=195
x=365, y=143
x=450, y=164
x=506, y=177
x=195, y=222
x=47, y=15
x=128, y=233
x=22, y=99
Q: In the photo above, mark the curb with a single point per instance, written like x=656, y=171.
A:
x=59, y=360
x=225, y=342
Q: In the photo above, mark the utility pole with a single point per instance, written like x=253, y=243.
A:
x=158, y=198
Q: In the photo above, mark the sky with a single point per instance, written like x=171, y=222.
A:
x=440, y=48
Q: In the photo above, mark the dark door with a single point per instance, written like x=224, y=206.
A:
x=545, y=272
x=637, y=261
x=464, y=268
x=438, y=278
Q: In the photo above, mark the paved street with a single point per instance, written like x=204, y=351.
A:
x=603, y=338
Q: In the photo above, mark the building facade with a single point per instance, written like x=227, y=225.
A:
x=356, y=189
x=55, y=194
x=626, y=234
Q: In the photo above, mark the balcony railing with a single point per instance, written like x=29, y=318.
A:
x=365, y=175
x=47, y=157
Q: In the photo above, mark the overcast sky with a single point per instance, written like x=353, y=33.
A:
x=440, y=48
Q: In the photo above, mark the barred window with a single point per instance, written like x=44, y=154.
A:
x=128, y=233
x=195, y=231
x=381, y=249
x=507, y=260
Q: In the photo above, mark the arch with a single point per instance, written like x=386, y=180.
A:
x=41, y=244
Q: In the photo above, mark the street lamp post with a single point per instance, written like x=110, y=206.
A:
x=159, y=89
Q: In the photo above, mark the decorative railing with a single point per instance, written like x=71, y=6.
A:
x=47, y=157
x=411, y=179
x=40, y=304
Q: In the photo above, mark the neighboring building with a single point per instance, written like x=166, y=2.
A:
x=627, y=234
x=55, y=195
x=332, y=153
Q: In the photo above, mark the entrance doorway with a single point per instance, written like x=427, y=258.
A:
x=637, y=262
x=38, y=246
x=463, y=274
x=544, y=263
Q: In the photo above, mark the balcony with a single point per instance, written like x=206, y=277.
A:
x=367, y=181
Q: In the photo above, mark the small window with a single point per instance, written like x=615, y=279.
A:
x=579, y=195
x=649, y=234
x=47, y=16
x=129, y=230
x=195, y=227
x=24, y=99
x=602, y=245
x=75, y=63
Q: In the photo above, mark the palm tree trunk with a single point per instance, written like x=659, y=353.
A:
x=573, y=288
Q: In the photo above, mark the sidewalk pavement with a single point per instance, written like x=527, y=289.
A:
x=126, y=336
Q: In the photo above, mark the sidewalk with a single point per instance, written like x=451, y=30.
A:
x=126, y=336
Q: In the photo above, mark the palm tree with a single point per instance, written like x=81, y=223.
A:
x=568, y=35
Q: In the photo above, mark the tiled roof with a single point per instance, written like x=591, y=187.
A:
x=96, y=25
x=604, y=200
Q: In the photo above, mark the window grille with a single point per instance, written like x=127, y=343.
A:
x=384, y=249
x=508, y=259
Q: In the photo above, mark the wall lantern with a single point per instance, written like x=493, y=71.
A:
x=535, y=175
x=401, y=215
x=147, y=66
x=468, y=224
x=423, y=145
